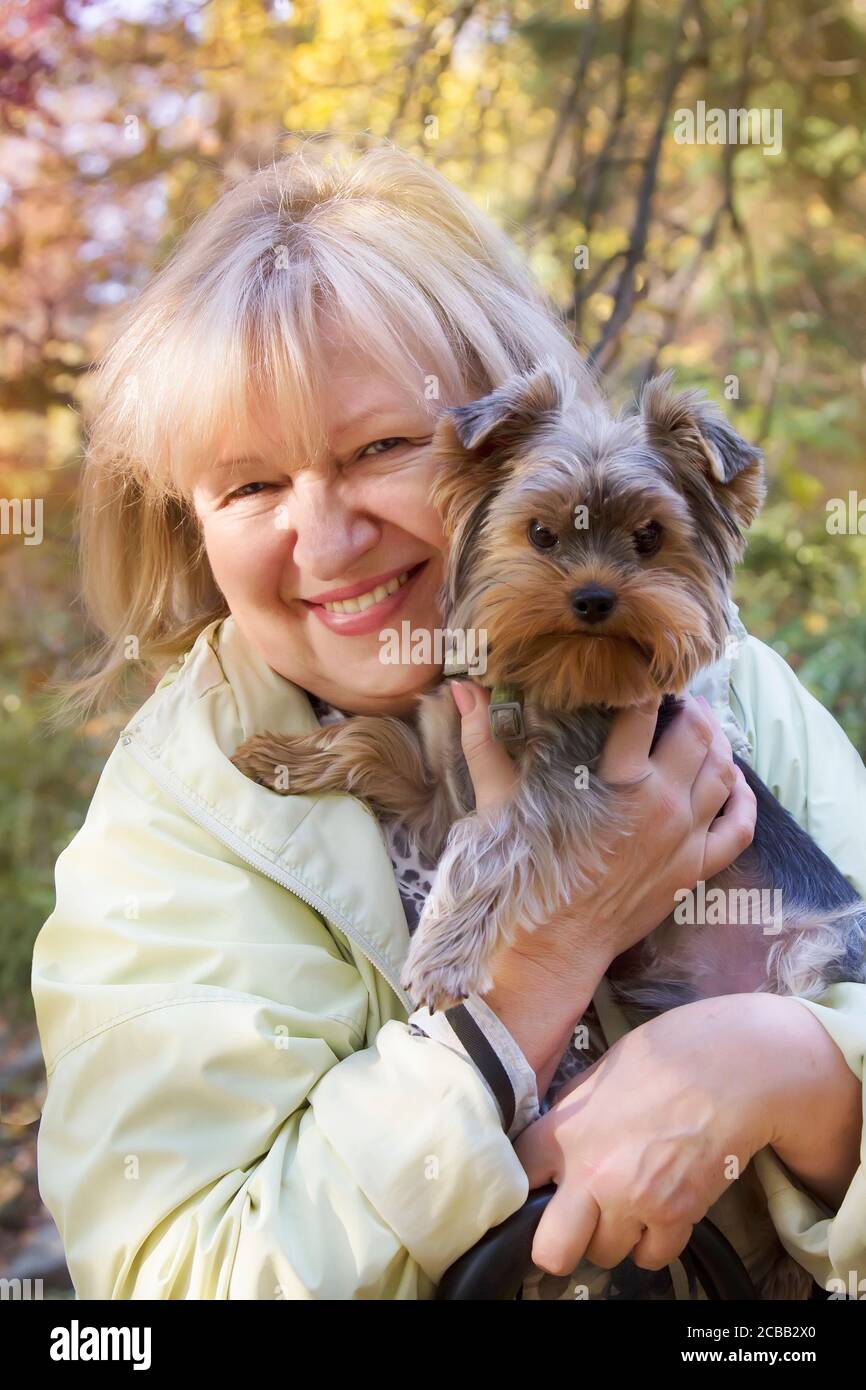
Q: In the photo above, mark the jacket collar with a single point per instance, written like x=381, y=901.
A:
x=329, y=850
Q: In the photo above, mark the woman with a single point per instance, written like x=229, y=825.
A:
x=242, y=1102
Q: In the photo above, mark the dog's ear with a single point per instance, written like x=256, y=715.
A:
x=475, y=444
x=505, y=416
x=474, y=448
x=693, y=434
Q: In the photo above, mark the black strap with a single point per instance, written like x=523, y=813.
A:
x=496, y=1267
x=486, y=1060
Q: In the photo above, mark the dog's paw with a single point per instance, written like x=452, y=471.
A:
x=440, y=971
x=431, y=992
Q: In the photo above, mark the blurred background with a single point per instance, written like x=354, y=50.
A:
x=741, y=265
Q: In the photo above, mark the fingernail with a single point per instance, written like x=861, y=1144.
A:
x=464, y=696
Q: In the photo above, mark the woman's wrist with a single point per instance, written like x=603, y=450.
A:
x=786, y=1085
x=816, y=1102
x=540, y=999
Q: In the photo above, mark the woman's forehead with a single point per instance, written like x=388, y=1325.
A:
x=314, y=400
x=348, y=402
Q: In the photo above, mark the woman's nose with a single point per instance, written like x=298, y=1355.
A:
x=331, y=533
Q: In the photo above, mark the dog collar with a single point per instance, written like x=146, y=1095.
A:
x=506, y=704
x=506, y=713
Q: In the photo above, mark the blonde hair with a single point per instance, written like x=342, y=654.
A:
x=366, y=232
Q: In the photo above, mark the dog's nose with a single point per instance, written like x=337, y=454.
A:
x=593, y=604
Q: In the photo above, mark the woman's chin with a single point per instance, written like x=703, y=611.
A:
x=374, y=686
x=399, y=660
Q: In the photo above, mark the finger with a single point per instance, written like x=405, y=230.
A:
x=682, y=748
x=660, y=1245
x=613, y=1239
x=625, y=757
x=715, y=780
x=732, y=831
x=565, y=1230
x=492, y=771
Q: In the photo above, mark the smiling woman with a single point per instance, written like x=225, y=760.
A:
x=309, y=555
x=243, y=1100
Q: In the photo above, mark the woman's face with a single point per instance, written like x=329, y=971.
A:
x=286, y=544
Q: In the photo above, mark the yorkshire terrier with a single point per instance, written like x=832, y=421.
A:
x=596, y=553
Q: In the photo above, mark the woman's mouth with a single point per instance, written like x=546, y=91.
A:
x=367, y=611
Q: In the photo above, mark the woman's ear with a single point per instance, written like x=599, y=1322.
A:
x=692, y=434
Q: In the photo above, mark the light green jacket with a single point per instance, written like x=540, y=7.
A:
x=236, y=1108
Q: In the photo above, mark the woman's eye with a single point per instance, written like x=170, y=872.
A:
x=248, y=490
x=647, y=539
x=397, y=439
x=541, y=536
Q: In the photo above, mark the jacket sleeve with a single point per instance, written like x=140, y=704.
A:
x=227, y=1114
x=808, y=762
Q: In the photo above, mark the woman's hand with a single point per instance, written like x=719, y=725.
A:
x=643, y=1143
x=675, y=796
x=545, y=980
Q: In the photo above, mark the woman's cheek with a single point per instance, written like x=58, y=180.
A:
x=400, y=496
x=247, y=555
x=407, y=507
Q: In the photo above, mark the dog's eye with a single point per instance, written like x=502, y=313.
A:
x=647, y=539
x=541, y=537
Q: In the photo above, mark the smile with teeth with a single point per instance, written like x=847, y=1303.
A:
x=362, y=601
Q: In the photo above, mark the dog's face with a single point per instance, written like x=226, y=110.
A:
x=595, y=552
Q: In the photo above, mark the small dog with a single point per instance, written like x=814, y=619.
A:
x=596, y=553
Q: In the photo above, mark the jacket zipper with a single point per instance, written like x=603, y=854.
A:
x=259, y=862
